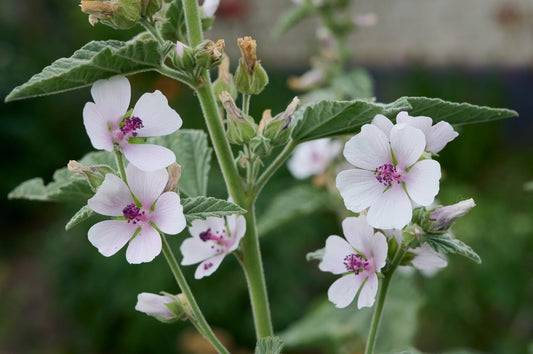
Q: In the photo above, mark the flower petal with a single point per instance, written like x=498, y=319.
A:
x=359, y=234
x=145, y=246
x=439, y=135
x=313, y=157
x=199, y=226
x=210, y=7
x=156, y=115
x=422, y=181
x=368, y=149
x=336, y=250
x=237, y=227
x=208, y=266
x=111, y=235
x=427, y=259
x=359, y=188
x=112, y=197
x=407, y=144
x=112, y=96
x=367, y=296
x=146, y=186
x=383, y=123
x=379, y=250
x=195, y=250
x=168, y=214
x=393, y=210
x=96, y=127
x=422, y=123
x=154, y=305
x=344, y=289
x=148, y=157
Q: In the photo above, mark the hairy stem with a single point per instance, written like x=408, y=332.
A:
x=274, y=166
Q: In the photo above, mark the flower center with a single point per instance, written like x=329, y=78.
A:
x=355, y=263
x=387, y=174
x=220, y=237
x=129, y=125
x=208, y=265
x=133, y=213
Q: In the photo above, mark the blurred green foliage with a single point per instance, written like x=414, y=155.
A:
x=59, y=295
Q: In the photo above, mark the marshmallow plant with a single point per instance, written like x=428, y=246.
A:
x=387, y=189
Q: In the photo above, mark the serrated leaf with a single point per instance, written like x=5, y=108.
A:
x=330, y=118
x=174, y=27
x=83, y=214
x=356, y=84
x=455, y=113
x=292, y=16
x=204, y=207
x=292, y=203
x=447, y=244
x=94, y=61
x=193, y=154
x=269, y=345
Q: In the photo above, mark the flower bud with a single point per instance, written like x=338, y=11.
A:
x=208, y=54
x=119, y=14
x=184, y=58
x=250, y=77
x=260, y=145
x=241, y=128
x=94, y=175
x=445, y=216
x=166, y=308
x=277, y=129
x=224, y=81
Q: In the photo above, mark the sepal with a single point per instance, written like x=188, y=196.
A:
x=94, y=175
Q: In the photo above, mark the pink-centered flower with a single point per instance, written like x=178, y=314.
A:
x=389, y=175
x=141, y=208
x=359, y=259
x=109, y=124
x=437, y=136
x=212, y=239
x=154, y=305
x=313, y=157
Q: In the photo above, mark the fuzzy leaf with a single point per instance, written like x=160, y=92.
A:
x=94, y=61
x=193, y=154
x=204, y=207
x=174, y=28
x=83, y=214
x=355, y=85
x=330, y=118
x=447, y=244
x=269, y=345
x=455, y=113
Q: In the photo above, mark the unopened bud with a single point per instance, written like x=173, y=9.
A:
x=174, y=175
x=94, y=175
x=260, y=145
x=445, y=216
x=224, y=81
x=241, y=128
x=119, y=14
x=184, y=58
x=250, y=77
x=166, y=308
x=277, y=129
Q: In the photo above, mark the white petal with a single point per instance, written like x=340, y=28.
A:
x=422, y=181
x=237, y=227
x=145, y=246
x=359, y=234
x=148, y=157
x=383, y=123
x=156, y=115
x=343, y=290
x=422, y=123
x=336, y=250
x=368, y=149
x=210, y=7
x=367, y=296
x=439, y=135
x=312, y=157
x=111, y=235
x=96, y=127
x=407, y=144
x=168, y=214
x=195, y=250
x=154, y=305
x=199, y=226
x=208, y=266
x=146, y=186
x=112, y=197
x=393, y=210
x=379, y=250
x=427, y=259
x=112, y=96
x=359, y=188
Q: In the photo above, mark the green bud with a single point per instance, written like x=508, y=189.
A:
x=241, y=128
x=250, y=77
x=94, y=175
x=150, y=7
x=278, y=129
x=183, y=57
x=260, y=145
x=224, y=81
x=209, y=54
x=118, y=14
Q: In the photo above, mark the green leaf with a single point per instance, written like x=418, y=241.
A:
x=286, y=206
x=292, y=16
x=355, y=85
x=193, y=154
x=269, y=345
x=204, y=207
x=174, y=27
x=455, y=113
x=83, y=214
x=447, y=244
x=330, y=118
x=94, y=61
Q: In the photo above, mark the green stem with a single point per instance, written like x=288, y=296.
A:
x=192, y=19
x=201, y=323
x=246, y=103
x=274, y=166
x=150, y=27
x=176, y=75
x=120, y=163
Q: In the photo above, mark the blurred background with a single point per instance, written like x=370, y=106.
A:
x=59, y=295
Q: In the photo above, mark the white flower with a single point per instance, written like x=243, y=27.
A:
x=209, y=8
x=149, y=208
x=313, y=157
x=212, y=239
x=154, y=305
x=108, y=124
x=359, y=260
x=388, y=176
x=437, y=136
